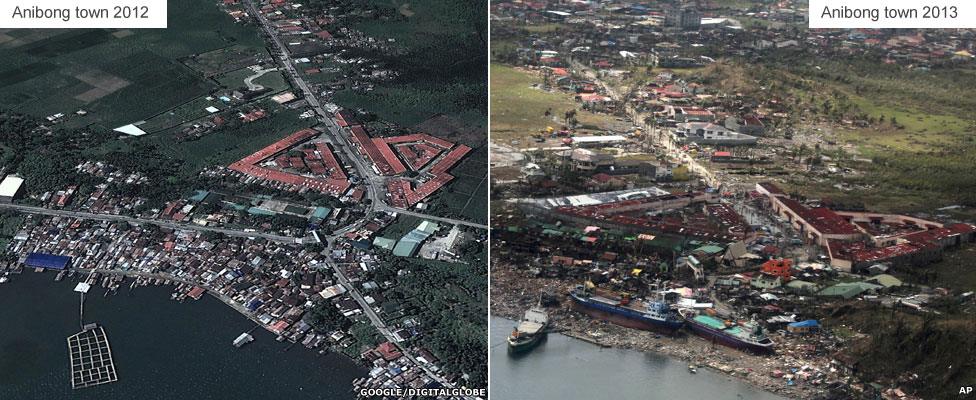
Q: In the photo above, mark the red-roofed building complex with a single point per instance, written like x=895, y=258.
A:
x=718, y=222
x=430, y=156
x=315, y=169
x=857, y=240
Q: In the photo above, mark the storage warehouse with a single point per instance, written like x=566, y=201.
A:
x=10, y=188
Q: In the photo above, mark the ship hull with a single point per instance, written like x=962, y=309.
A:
x=623, y=317
x=523, y=346
x=717, y=336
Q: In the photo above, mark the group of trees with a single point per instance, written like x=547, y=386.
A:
x=452, y=304
x=326, y=318
x=46, y=158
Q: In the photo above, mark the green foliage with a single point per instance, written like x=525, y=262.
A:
x=440, y=57
x=451, y=303
x=46, y=159
x=326, y=318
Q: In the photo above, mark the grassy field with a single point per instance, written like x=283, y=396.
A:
x=118, y=76
x=518, y=109
x=466, y=197
x=400, y=227
x=217, y=148
x=186, y=112
x=920, y=160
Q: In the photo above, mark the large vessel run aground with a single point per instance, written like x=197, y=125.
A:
x=620, y=309
x=529, y=330
x=747, y=336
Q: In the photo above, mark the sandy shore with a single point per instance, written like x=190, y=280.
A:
x=513, y=291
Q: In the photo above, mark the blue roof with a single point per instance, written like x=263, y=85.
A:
x=49, y=261
x=810, y=323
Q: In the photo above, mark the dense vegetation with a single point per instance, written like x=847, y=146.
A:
x=44, y=158
x=440, y=57
x=450, y=302
x=326, y=318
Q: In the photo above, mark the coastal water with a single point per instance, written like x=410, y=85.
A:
x=562, y=367
x=163, y=349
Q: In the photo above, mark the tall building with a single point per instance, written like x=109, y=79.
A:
x=685, y=17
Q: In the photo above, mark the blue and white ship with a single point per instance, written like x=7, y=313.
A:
x=620, y=309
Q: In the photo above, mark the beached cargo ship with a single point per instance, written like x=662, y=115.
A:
x=747, y=336
x=620, y=309
x=529, y=331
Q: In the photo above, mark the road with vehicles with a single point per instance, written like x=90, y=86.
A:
x=340, y=141
x=660, y=136
x=139, y=221
x=364, y=171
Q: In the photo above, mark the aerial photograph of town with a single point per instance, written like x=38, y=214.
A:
x=707, y=199
x=267, y=199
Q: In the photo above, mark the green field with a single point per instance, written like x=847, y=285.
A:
x=466, y=197
x=186, y=112
x=118, y=76
x=518, y=109
x=920, y=151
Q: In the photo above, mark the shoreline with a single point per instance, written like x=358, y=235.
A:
x=513, y=291
x=219, y=296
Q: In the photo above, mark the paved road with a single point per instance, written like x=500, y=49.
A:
x=364, y=171
x=138, y=221
x=431, y=217
x=660, y=136
x=380, y=325
x=285, y=59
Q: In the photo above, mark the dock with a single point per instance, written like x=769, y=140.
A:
x=91, y=358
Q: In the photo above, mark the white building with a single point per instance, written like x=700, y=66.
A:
x=10, y=188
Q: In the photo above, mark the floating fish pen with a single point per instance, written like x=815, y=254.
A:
x=91, y=358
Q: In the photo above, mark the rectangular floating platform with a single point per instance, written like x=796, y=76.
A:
x=91, y=358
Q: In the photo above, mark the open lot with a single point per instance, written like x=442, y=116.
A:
x=518, y=109
x=118, y=76
x=226, y=59
x=466, y=197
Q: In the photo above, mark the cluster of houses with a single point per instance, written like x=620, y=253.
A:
x=275, y=284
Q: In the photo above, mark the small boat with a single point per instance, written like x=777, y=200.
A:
x=4, y=279
x=243, y=339
x=693, y=369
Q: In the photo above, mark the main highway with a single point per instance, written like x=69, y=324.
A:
x=364, y=171
x=139, y=221
x=661, y=136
